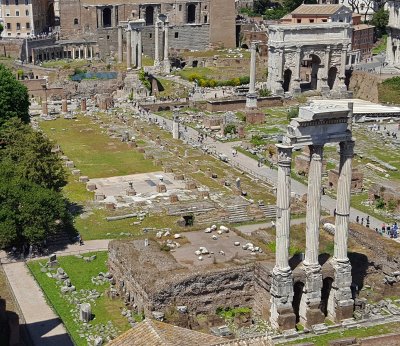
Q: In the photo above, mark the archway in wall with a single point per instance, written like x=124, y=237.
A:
x=332, y=73
x=309, y=71
x=191, y=13
x=325, y=292
x=107, y=17
x=298, y=292
x=50, y=18
x=149, y=15
x=287, y=77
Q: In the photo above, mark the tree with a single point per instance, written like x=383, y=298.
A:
x=380, y=20
x=27, y=154
x=14, y=97
x=291, y=5
x=29, y=213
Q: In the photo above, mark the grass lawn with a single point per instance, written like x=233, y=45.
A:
x=93, y=152
x=80, y=274
x=171, y=89
x=323, y=340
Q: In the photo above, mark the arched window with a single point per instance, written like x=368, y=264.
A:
x=107, y=17
x=149, y=15
x=76, y=21
x=191, y=13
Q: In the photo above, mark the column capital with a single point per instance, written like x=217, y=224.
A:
x=284, y=154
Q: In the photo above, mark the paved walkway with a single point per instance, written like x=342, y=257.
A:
x=43, y=325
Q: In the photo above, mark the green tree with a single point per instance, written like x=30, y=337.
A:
x=14, y=98
x=380, y=20
x=291, y=5
x=27, y=154
x=275, y=13
x=29, y=213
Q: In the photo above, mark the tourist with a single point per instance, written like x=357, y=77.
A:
x=362, y=221
x=357, y=219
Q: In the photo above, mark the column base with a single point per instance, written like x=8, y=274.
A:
x=251, y=101
x=341, y=303
x=166, y=67
x=282, y=315
x=310, y=312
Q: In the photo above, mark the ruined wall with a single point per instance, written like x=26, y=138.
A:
x=365, y=85
x=223, y=23
x=11, y=48
x=232, y=105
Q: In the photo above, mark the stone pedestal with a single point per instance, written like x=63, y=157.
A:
x=175, y=127
x=161, y=188
x=251, y=101
x=83, y=105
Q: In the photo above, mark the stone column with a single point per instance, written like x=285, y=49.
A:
x=175, y=127
x=295, y=88
x=282, y=316
x=79, y=52
x=64, y=105
x=128, y=49
x=156, y=49
x=167, y=66
x=342, y=75
x=85, y=51
x=324, y=79
x=139, y=45
x=45, y=110
x=251, y=97
x=83, y=105
x=340, y=304
x=120, y=58
x=134, y=46
x=73, y=52
x=91, y=52
x=309, y=311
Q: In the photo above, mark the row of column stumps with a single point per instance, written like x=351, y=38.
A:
x=134, y=46
x=64, y=106
x=340, y=303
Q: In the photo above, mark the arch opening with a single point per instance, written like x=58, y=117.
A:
x=309, y=71
x=325, y=292
x=287, y=77
x=298, y=293
x=332, y=74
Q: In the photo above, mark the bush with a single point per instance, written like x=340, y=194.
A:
x=293, y=112
x=379, y=203
x=264, y=92
x=230, y=128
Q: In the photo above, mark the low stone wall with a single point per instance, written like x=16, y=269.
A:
x=387, y=340
x=236, y=104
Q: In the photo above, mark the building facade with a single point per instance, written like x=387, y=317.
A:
x=393, y=30
x=27, y=18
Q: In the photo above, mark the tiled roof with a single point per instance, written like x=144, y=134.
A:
x=155, y=333
x=317, y=9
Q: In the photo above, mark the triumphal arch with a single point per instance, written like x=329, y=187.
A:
x=308, y=56
x=316, y=126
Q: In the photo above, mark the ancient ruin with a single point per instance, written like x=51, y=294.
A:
x=315, y=126
x=393, y=30
x=300, y=59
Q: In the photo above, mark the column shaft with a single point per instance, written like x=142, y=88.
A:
x=283, y=207
x=139, y=45
x=313, y=206
x=156, y=52
x=128, y=49
x=343, y=201
x=166, y=48
x=134, y=47
x=120, y=58
x=252, y=85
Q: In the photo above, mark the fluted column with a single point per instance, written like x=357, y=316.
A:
x=340, y=304
x=128, y=49
x=156, y=45
x=120, y=45
x=309, y=310
x=282, y=280
x=313, y=205
x=167, y=68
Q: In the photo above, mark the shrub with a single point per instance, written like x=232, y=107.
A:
x=379, y=203
x=230, y=128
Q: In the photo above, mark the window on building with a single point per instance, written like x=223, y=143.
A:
x=150, y=35
x=176, y=34
x=17, y=13
x=28, y=25
x=107, y=17
x=18, y=26
x=26, y=2
x=311, y=20
x=191, y=13
x=8, y=26
x=7, y=2
x=76, y=21
x=26, y=12
x=298, y=20
x=324, y=20
x=16, y=2
x=205, y=19
x=180, y=7
x=149, y=15
x=362, y=6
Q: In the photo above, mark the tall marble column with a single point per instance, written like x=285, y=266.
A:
x=120, y=58
x=340, y=304
x=309, y=311
x=282, y=316
x=91, y=52
x=134, y=47
x=251, y=97
x=175, y=127
x=73, y=52
x=85, y=51
x=128, y=49
x=139, y=49
x=167, y=66
x=156, y=45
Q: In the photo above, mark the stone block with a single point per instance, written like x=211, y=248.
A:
x=190, y=185
x=157, y=162
x=141, y=150
x=167, y=169
x=91, y=186
x=76, y=172
x=161, y=188
x=83, y=179
x=110, y=206
x=132, y=144
x=173, y=198
x=179, y=176
x=69, y=164
x=287, y=321
x=99, y=197
x=130, y=192
x=343, y=342
x=204, y=194
x=148, y=156
x=85, y=312
x=64, y=158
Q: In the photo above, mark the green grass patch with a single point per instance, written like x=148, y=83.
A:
x=389, y=90
x=93, y=152
x=80, y=274
x=381, y=46
x=230, y=313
